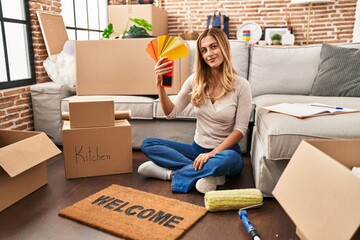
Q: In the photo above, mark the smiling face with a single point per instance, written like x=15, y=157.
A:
x=211, y=52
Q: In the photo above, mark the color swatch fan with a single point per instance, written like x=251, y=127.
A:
x=167, y=46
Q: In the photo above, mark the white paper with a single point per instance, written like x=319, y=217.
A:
x=303, y=110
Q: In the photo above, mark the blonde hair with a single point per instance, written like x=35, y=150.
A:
x=203, y=74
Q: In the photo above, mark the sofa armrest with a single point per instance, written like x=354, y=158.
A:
x=46, y=103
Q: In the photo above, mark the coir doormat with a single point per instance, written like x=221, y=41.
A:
x=134, y=214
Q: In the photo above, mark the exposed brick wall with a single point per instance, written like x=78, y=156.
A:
x=40, y=53
x=329, y=22
x=15, y=109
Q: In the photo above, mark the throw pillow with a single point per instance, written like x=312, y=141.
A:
x=338, y=73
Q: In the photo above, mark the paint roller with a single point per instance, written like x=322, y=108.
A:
x=223, y=200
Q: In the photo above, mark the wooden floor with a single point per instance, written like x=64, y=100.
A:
x=36, y=216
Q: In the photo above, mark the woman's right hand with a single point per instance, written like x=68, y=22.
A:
x=162, y=67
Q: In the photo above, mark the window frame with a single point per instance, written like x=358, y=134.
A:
x=75, y=28
x=27, y=23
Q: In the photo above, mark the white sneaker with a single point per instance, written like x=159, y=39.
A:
x=210, y=183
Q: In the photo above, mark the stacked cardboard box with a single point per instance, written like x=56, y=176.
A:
x=94, y=142
x=23, y=168
x=119, y=16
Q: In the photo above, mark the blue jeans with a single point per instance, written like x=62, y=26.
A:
x=179, y=157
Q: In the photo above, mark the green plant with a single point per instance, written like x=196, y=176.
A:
x=140, y=27
x=276, y=37
x=108, y=31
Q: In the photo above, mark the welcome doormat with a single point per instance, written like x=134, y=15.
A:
x=134, y=214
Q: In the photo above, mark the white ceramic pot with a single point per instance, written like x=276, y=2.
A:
x=288, y=39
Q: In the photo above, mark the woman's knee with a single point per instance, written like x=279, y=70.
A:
x=230, y=153
x=232, y=157
x=147, y=142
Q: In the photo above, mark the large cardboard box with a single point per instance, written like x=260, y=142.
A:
x=97, y=151
x=91, y=113
x=319, y=192
x=23, y=156
x=119, y=15
x=111, y=67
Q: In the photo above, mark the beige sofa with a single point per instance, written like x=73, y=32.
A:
x=287, y=74
x=276, y=74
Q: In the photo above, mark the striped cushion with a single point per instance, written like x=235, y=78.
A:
x=338, y=73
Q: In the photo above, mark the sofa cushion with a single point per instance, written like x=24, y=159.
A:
x=188, y=112
x=281, y=134
x=283, y=69
x=141, y=106
x=338, y=73
x=239, y=54
x=46, y=98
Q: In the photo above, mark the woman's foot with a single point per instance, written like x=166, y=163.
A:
x=150, y=169
x=210, y=183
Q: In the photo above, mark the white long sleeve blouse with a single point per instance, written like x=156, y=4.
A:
x=215, y=121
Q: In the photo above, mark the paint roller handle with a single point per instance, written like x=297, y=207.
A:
x=248, y=225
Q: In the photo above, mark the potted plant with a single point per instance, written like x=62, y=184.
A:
x=109, y=33
x=139, y=29
x=275, y=39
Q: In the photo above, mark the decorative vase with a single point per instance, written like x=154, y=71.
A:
x=288, y=39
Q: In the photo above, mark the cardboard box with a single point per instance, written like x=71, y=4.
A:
x=54, y=32
x=23, y=156
x=119, y=15
x=97, y=151
x=319, y=192
x=112, y=67
x=91, y=113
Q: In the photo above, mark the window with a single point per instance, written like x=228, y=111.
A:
x=16, y=51
x=356, y=32
x=84, y=19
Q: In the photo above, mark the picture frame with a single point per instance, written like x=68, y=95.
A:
x=269, y=31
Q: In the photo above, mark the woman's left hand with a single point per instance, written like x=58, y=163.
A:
x=201, y=160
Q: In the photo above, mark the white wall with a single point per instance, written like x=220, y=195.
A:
x=356, y=32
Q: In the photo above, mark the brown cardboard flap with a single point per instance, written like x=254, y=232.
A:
x=319, y=193
x=25, y=154
x=54, y=32
x=346, y=150
x=8, y=137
